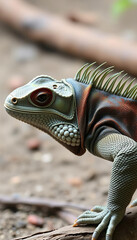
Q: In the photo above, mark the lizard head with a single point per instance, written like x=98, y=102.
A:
x=49, y=105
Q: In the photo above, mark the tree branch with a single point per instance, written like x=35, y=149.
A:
x=38, y=202
x=68, y=37
x=61, y=209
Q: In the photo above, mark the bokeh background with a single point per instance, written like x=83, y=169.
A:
x=32, y=164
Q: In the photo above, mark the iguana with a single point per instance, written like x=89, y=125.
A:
x=97, y=111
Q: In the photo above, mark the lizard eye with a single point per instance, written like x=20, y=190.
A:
x=41, y=97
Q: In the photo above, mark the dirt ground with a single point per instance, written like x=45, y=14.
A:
x=51, y=171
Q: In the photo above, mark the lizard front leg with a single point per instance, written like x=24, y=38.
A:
x=123, y=150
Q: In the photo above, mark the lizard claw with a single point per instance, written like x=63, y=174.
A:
x=133, y=204
x=75, y=224
x=104, y=217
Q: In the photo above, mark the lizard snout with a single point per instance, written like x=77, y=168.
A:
x=10, y=101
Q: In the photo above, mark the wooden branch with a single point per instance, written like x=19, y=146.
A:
x=68, y=37
x=86, y=18
x=53, y=207
x=126, y=230
x=38, y=202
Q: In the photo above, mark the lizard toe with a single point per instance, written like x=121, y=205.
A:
x=97, y=209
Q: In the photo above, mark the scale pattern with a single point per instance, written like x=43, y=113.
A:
x=123, y=150
x=66, y=133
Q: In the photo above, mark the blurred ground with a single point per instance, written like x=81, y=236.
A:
x=51, y=171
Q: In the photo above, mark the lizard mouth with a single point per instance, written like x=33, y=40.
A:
x=11, y=110
x=10, y=107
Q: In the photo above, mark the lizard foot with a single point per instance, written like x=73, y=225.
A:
x=102, y=216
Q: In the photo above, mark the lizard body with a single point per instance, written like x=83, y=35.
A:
x=94, y=112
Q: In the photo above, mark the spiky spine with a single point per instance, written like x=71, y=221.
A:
x=115, y=84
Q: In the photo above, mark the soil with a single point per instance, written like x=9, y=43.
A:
x=50, y=171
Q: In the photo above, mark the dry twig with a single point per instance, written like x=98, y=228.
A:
x=53, y=207
x=38, y=202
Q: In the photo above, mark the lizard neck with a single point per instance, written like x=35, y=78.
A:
x=82, y=92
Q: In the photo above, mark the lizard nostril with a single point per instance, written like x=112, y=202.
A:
x=55, y=86
x=14, y=100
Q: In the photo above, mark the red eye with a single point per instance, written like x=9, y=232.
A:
x=41, y=97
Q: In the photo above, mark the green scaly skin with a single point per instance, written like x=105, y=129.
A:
x=51, y=106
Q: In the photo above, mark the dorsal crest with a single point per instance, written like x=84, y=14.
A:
x=117, y=83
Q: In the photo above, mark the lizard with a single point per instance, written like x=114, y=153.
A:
x=95, y=111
